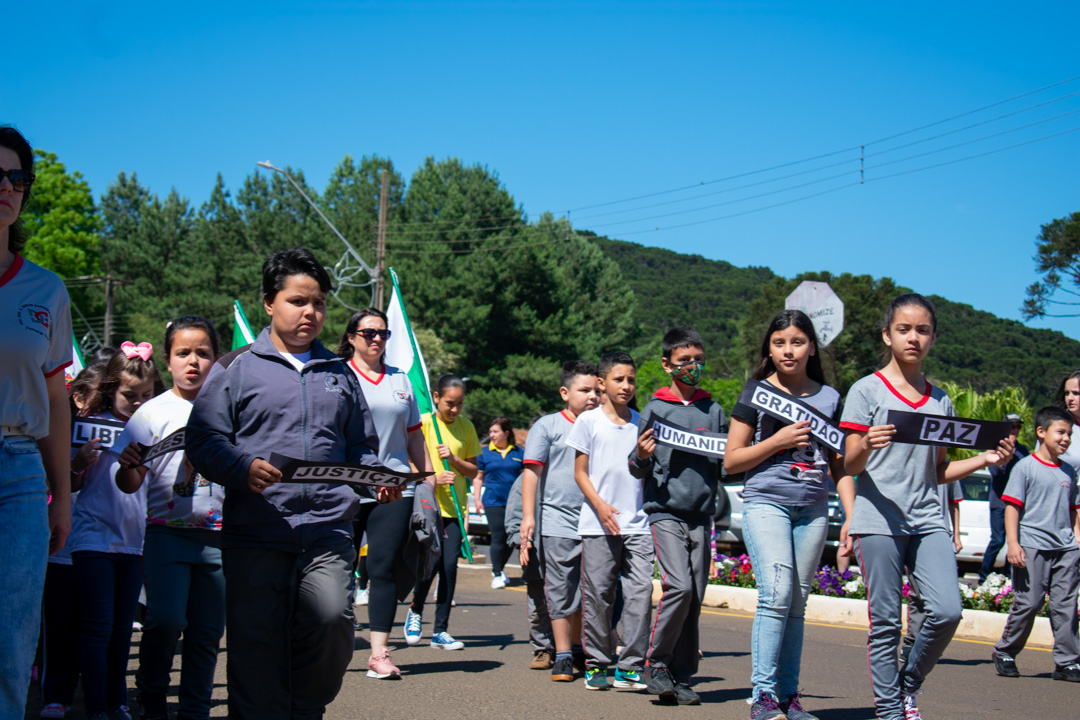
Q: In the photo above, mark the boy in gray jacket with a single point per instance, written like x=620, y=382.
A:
x=287, y=547
x=680, y=498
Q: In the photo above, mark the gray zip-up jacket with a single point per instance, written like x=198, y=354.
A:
x=679, y=484
x=258, y=404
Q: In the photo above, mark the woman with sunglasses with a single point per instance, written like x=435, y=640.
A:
x=35, y=426
x=390, y=397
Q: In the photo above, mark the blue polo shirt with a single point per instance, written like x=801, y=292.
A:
x=501, y=468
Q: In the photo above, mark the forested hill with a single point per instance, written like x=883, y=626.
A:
x=731, y=306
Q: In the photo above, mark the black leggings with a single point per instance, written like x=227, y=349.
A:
x=496, y=517
x=446, y=569
x=387, y=527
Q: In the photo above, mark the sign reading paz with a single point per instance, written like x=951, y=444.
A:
x=822, y=305
x=303, y=471
x=945, y=431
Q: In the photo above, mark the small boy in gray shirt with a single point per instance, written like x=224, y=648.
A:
x=1039, y=520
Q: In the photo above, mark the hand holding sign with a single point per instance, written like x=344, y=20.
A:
x=131, y=455
x=646, y=444
x=879, y=437
x=796, y=435
x=261, y=475
x=86, y=456
x=1001, y=454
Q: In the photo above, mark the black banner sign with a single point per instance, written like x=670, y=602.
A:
x=780, y=405
x=943, y=431
x=171, y=443
x=85, y=429
x=699, y=442
x=304, y=471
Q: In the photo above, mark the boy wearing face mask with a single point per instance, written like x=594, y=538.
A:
x=680, y=496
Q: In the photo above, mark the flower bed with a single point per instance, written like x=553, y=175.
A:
x=995, y=595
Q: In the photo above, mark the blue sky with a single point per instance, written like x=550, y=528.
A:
x=578, y=104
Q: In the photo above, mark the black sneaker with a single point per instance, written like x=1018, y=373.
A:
x=658, y=681
x=579, y=663
x=1005, y=665
x=563, y=670
x=153, y=707
x=685, y=695
x=1068, y=673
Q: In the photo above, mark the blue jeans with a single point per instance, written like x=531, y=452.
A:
x=109, y=585
x=997, y=541
x=785, y=545
x=185, y=593
x=24, y=548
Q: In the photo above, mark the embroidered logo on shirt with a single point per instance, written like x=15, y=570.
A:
x=402, y=397
x=332, y=384
x=35, y=318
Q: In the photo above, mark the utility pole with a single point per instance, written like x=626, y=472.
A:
x=108, y=330
x=380, y=243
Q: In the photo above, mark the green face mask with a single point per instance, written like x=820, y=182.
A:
x=690, y=373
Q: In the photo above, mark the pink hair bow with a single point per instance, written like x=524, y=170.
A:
x=143, y=350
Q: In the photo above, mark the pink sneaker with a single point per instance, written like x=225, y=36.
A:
x=380, y=666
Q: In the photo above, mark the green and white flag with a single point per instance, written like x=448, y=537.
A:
x=241, y=334
x=77, y=362
x=402, y=350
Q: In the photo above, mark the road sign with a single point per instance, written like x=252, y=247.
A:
x=824, y=307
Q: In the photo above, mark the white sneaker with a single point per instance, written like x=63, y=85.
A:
x=412, y=627
x=498, y=582
x=361, y=597
x=911, y=711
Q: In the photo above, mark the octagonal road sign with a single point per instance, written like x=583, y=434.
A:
x=824, y=307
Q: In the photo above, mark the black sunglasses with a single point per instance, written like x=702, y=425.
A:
x=21, y=180
x=370, y=333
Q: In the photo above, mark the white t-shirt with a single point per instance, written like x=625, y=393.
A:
x=177, y=496
x=609, y=446
x=394, y=412
x=35, y=322
x=107, y=519
x=297, y=360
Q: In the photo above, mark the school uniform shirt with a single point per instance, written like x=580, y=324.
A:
x=107, y=519
x=394, y=410
x=950, y=494
x=35, y=322
x=1044, y=494
x=897, y=493
x=460, y=437
x=176, y=495
x=796, y=476
x=608, y=446
x=559, y=496
x=501, y=468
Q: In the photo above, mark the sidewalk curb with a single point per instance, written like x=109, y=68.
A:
x=975, y=625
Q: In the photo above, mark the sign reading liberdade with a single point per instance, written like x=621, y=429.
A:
x=105, y=431
x=303, y=471
x=944, y=431
x=777, y=403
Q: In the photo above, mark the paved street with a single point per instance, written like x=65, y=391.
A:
x=490, y=678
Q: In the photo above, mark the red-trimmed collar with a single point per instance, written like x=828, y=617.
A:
x=665, y=393
x=915, y=405
x=1053, y=465
x=352, y=361
x=16, y=266
x=566, y=417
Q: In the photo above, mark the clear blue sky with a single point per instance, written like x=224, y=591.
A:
x=575, y=104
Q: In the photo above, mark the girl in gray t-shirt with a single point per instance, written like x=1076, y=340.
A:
x=895, y=514
x=785, y=515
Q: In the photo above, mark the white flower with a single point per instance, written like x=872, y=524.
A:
x=852, y=586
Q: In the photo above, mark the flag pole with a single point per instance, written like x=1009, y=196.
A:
x=466, y=548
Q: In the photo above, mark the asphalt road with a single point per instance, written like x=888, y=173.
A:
x=490, y=677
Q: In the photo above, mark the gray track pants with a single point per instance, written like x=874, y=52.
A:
x=289, y=628
x=604, y=560
x=539, y=621
x=1055, y=571
x=682, y=552
x=931, y=561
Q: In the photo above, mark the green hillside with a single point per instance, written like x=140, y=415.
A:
x=731, y=306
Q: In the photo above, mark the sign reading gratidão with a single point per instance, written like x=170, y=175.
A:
x=773, y=401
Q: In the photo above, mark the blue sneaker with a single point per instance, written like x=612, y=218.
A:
x=446, y=641
x=629, y=679
x=596, y=679
x=412, y=627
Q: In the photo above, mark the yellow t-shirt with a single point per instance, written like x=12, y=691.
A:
x=460, y=436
